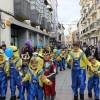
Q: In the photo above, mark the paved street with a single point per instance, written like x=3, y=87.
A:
x=63, y=87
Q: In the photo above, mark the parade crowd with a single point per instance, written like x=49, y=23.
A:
x=33, y=71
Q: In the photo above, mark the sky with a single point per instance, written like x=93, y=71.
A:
x=68, y=10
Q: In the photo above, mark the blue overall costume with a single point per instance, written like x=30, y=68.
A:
x=78, y=76
x=14, y=77
x=3, y=81
x=63, y=62
x=60, y=64
x=35, y=90
x=93, y=82
x=56, y=63
x=24, y=86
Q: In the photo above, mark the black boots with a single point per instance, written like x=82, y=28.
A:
x=13, y=98
x=47, y=97
x=3, y=98
x=52, y=97
x=75, y=97
x=64, y=68
x=81, y=96
x=18, y=97
x=90, y=95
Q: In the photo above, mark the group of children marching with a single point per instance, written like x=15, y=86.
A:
x=36, y=75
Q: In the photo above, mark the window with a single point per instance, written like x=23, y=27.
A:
x=35, y=4
x=14, y=37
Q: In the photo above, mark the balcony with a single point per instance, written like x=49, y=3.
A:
x=49, y=18
x=98, y=23
x=35, y=12
x=84, y=31
x=87, y=3
x=98, y=4
x=44, y=17
x=87, y=29
x=22, y=9
x=93, y=26
x=92, y=10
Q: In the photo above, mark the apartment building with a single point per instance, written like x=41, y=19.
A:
x=90, y=21
x=54, y=33
x=63, y=34
x=25, y=20
x=67, y=40
x=75, y=36
x=70, y=34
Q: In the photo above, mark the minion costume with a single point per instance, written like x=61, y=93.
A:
x=59, y=59
x=63, y=59
x=93, y=81
x=53, y=57
x=36, y=79
x=22, y=73
x=78, y=72
x=4, y=72
x=15, y=66
x=68, y=65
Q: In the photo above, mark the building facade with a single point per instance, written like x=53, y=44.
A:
x=54, y=33
x=67, y=40
x=90, y=21
x=70, y=34
x=75, y=36
x=25, y=20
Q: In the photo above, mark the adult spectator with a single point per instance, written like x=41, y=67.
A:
x=28, y=48
x=4, y=47
x=86, y=49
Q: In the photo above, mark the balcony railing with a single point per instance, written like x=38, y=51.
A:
x=87, y=29
x=97, y=2
x=83, y=18
x=84, y=31
x=87, y=14
x=81, y=32
x=98, y=22
x=92, y=8
x=93, y=25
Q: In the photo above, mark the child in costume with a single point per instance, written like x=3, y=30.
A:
x=50, y=73
x=78, y=62
x=53, y=57
x=59, y=59
x=68, y=64
x=36, y=79
x=4, y=72
x=22, y=73
x=63, y=59
x=15, y=66
x=93, y=81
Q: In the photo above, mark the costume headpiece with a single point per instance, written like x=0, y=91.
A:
x=25, y=56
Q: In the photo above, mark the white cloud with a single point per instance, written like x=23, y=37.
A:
x=68, y=10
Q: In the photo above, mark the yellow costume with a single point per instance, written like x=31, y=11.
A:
x=36, y=79
x=83, y=61
x=15, y=66
x=95, y=67
x=4, y=72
